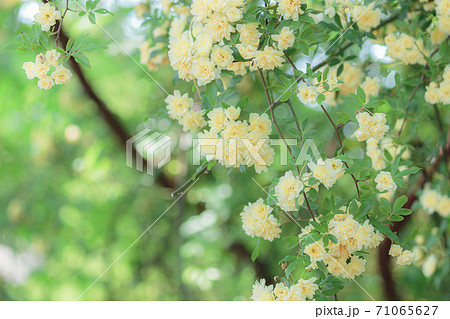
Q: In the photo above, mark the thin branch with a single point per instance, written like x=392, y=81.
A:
x=422, y=80
x=281, y=134
x=342, y=147
x=190, y=181
x=345, y=47
x=58, y=33
x=291, y=110
x=109, y=118
x=384, y=259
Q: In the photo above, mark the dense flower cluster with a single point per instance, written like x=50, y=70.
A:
x=288, y=190
x=433, y=201
x=258, y=221
x=366, y=18
x=206, y=49
x=404, y=257
x=351, y=236
x=439, y=93
x=443, y=15
x=234, y=143
x=328, y=171
x=41, y=67
x=303, y=290
x=208, y=39
x=406, y=49
x=47, y=16
x=289, y=9
x=180, y=108
x=370, y=126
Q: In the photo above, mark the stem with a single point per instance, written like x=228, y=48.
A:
x=422, y=79
x=272, y=114
x=189, y=182
x=58, y=32
x=281, y=134
x=342, y=147
x=307, y=205
x=384, y=259
x=291, y=110
x=345, y=47
x=290, y=61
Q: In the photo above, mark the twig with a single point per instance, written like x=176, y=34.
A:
x=110, y=118
x=190, y=181
x=384, y=259
x=291, y=110
x=345, y=47
x=422, y=80
x=281, y=134
x=342, y=148
x=58, y=32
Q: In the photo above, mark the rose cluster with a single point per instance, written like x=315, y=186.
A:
x=41, y=67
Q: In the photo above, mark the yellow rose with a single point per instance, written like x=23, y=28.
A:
x=406, y=258
x=395, y=250
x=385, y=182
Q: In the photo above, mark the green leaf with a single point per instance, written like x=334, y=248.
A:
x=69, y=45
x=211, y=93
x=320, y=98
x=404, y=211
x=384, y=229
x=82, y=59
x=340, y=69
x=255, y=253
x=332, y=285
x=288, y=258
x=399, y=202
x=385, y=207
x=410, y=236
x=333, y=238
x=103, y=11
x=291, y=241
x=211, y=164
x=91, y=16
x=412, y=170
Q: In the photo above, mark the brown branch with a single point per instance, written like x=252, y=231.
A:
x=282, y=136
x=342, y=147
x=109, y=118
x=291, y=110
x=384, y=259
x=422, y=80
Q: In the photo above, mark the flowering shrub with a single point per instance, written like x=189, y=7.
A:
x=305, y=57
